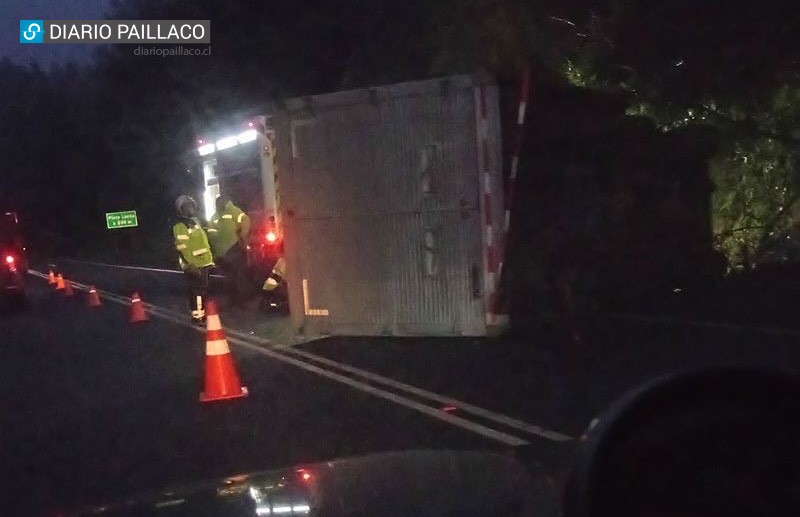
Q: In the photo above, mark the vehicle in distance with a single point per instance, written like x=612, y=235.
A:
x=14, y=265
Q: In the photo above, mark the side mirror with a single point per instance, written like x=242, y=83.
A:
x=722, y=442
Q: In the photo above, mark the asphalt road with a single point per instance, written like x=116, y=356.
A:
x=94, y=408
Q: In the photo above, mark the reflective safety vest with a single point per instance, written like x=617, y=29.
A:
x=226, y=228
x=192, y=245
x=276, y=276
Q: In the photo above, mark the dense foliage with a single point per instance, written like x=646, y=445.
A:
x=732, y=65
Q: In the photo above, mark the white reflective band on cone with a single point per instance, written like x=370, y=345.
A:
x=199, y=252
x=239, y=219
x=213, y=322
x=217, y=347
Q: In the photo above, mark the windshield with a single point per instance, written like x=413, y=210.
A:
x=259, y=235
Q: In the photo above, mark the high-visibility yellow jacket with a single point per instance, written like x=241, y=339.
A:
x=226, y=228
x=192, y=244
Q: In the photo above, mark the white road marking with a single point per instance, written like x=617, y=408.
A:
x=282, y=354
x=425, y=394
x=119, y=266
x=397, y=399
x=135, y=268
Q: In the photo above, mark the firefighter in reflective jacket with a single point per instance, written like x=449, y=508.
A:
x=194, y=255
x=228, y=232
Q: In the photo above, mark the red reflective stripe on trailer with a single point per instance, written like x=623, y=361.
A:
x=484, y=160
x=482, y=102
x=491, y=261
x=514, y=165
x=215, y=335
x=494, y=306
x=525, y=88
x=498, y=255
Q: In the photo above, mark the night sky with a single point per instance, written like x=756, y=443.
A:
x=12, y=11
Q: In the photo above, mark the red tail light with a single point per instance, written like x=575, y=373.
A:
x=10, y=259
x=271, y=237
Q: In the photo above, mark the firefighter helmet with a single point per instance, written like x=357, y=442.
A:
x=183, y=200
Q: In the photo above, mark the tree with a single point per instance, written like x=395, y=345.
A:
x=732, y=65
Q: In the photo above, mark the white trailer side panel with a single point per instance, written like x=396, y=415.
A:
x=382, y=203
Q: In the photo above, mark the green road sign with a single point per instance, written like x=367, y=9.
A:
x=116, y=220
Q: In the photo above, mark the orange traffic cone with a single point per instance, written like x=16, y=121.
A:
x=93, y=297
x=137, y=309
x=60, y=283
x=68, y=288
x=51, y=278
x=221, y=380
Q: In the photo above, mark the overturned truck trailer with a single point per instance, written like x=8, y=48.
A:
x=391, y=200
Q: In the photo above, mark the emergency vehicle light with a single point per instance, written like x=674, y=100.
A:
x=247, y=136
x=206, y=149
x=225, y=143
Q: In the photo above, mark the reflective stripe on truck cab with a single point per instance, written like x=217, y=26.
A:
x=241, y=216
x=181, y=246
x=182, y=237
x=199, y=252
x=227, y=216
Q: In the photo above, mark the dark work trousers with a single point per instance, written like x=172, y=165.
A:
x=234, y=265
x=197, y=282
